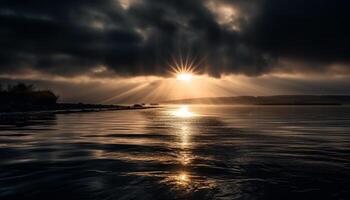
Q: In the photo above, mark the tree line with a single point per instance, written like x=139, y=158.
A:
x=23, y=96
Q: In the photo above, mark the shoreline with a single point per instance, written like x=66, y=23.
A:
x=76, y=108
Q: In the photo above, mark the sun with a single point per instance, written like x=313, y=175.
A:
x=183, y=69
x=184, y=77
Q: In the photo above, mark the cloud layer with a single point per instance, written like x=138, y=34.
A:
x=140, y=37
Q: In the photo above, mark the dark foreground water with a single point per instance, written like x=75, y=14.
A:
x=197, y=152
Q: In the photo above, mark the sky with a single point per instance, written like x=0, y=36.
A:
x=116, y=51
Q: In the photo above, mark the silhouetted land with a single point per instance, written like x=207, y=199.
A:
x=271, y=100
x=25, y=98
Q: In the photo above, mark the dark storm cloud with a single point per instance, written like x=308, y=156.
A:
x=71, y=37
x=314, y=30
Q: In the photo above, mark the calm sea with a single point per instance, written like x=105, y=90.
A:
x=178, y=152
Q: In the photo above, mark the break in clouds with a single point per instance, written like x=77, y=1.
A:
x=140, y=37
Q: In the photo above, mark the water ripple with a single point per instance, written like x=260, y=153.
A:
x=193, y=152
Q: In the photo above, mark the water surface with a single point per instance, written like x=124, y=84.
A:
x=178, y=152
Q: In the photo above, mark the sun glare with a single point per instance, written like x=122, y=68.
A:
x=184, y=77
x=183, y=69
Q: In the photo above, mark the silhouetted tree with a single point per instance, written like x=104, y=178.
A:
x=22, y=97
x=21, y=88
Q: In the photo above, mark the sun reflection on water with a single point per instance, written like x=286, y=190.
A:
x=185, y=159
x=183, y=112
x=184, y=131
x=183, y=178
x=184, y=138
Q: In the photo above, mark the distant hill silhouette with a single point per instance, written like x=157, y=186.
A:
x=270, y=100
